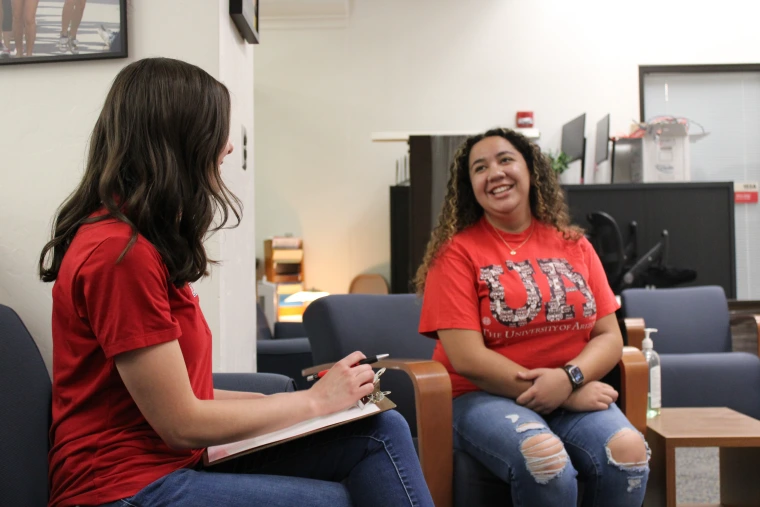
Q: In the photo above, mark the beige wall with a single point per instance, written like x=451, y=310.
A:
x=46, y=114
x=447, y=65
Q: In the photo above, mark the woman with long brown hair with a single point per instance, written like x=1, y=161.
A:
x=526, y=325
x=133, y=399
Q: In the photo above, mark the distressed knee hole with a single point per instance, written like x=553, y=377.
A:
x=628, y=450
x=529, y=426
x=545, y=456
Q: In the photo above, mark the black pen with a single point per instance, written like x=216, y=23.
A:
x=366, y=360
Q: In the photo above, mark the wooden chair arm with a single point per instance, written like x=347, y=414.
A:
x=634, y=330
x=739, y=318
x=634, y=387
x=743, y=305
x=432, y=395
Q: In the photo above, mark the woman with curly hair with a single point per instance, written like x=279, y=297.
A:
x=526, y=325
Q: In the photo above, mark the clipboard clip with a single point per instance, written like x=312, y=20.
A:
x=377, y=395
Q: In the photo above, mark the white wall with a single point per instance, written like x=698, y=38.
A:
x=48, y=111
x=447, y=65
x=237, y=274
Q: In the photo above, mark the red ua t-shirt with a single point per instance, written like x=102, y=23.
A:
x=103, y=449
x=537, y=307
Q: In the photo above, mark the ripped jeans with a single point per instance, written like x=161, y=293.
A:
x=526, y=450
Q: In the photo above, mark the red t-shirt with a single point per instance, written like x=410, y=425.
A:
x=103, y=449
x=536, y=307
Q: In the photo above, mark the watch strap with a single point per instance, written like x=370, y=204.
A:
x=573, y=383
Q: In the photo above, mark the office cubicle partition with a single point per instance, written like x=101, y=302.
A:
x=415, y=207
x=699, y=218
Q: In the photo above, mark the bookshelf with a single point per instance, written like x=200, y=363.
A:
x=283, y=266
x=283, y=260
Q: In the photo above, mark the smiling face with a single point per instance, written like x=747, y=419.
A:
x=500, y=180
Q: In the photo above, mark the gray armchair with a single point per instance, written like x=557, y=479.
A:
x=698, y=365
x=25, y=398
x=286, y=351
x=340, y=324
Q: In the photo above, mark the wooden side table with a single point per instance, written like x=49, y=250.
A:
x=737, y=436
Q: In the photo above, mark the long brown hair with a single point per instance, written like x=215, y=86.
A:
x=461, y=209
x=153, y=164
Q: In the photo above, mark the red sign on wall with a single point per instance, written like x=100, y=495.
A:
x=745, y=193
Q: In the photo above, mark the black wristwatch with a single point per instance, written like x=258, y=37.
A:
x=575, y=374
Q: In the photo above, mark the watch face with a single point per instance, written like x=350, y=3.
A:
x=576, y=374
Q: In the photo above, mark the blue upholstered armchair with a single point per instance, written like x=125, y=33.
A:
x=25, y=397
x=340, y=324
x=699, y=368
x=286, y=351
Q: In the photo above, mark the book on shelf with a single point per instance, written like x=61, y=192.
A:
x=289, y=288
x=289, y=311
x=287, y=256
x=285, y=242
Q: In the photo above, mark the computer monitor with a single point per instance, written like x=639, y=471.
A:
x=602, y=151
x=574, y=138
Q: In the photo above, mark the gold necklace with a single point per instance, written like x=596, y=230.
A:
x=512, y=251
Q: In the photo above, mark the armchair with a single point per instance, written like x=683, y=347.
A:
x=339, y=324
x=25, y=397
x=286, y=351
x=368, y=284
x=698, y=366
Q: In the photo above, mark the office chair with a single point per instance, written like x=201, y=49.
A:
x=368, y=284
x=25, y=397
x=621, y=263
x=286, y=351
x=607, y=240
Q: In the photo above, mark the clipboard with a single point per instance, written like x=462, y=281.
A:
x=220, y=453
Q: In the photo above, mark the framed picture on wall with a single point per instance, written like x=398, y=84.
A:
x=245, y=14
x=64, y=30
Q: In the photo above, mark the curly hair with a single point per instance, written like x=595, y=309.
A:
x=461, y=209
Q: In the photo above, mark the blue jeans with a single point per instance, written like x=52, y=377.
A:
x=495, y=431
x=369, y=462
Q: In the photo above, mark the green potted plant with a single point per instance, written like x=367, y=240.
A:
x=559, y=160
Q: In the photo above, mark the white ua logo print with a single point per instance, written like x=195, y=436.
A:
x=556, y=309
x=192, y=289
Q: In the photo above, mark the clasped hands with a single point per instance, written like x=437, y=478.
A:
x=552, y=389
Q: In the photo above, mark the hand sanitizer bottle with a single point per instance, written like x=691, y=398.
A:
x=654, y=401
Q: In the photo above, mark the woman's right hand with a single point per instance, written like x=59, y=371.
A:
x=343, y=385
x=591, y=397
